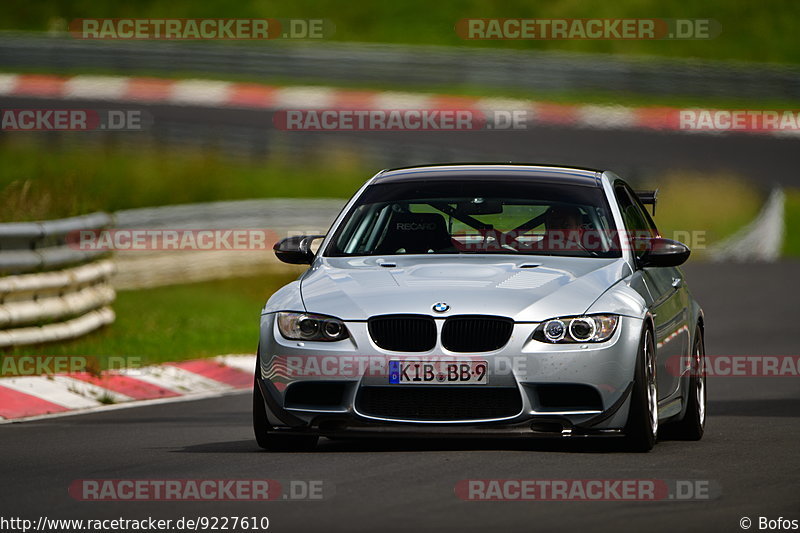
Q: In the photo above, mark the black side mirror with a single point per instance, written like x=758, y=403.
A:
x=660, y=252
x=296, y=250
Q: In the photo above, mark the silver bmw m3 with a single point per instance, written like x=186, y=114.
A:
x=484, y=300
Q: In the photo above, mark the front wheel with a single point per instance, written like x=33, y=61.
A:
x=641, y=429
x=266, y=437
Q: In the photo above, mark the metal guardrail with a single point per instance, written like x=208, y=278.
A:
x=278, y=217
x=268, y=213
x=41, y=300
x=52, y=291
x=37, y=246
x=406, y=66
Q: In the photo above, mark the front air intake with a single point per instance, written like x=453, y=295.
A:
x=476, y=333
x=403, y=333
x=440, y=403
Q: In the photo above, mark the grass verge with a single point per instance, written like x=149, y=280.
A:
x=177, y=323
x=751, y=31
x=699, y=209
x=791, y=243
x=76, y=180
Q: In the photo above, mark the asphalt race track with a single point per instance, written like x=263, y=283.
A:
x=749, y=452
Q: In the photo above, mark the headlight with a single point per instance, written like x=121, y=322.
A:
x=578, y=329
x=554, y=330
x=310, y=327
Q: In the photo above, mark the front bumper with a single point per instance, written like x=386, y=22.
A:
x=544, y=376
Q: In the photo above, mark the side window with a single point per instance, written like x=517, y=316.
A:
x=638, y=223
x=644, y=214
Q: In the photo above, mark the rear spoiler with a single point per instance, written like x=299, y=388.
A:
x=648, y=198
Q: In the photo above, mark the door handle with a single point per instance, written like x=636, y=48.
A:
x=677, y=282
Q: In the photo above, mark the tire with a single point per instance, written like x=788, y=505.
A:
x=265, y=437
x=641, y=429
x=693, y=424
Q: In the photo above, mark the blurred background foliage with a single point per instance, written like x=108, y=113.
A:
x=745, y=23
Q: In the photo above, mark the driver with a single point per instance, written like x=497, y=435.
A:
x=564, y=218
x=564, y=228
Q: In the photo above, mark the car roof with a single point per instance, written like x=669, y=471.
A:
x=468, y=171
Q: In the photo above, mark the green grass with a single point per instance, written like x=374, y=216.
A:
x=791, y=244
x=751, y=31
x=686, y=212
x=71, y=180
x=177, y=323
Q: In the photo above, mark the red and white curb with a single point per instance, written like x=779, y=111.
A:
x=220, y=94
x=32, y=397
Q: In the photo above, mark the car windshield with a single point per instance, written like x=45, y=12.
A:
x=477, y=216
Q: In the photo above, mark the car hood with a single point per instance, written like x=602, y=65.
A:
x=527, y=289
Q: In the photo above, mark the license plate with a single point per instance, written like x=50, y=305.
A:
x=408, y=372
